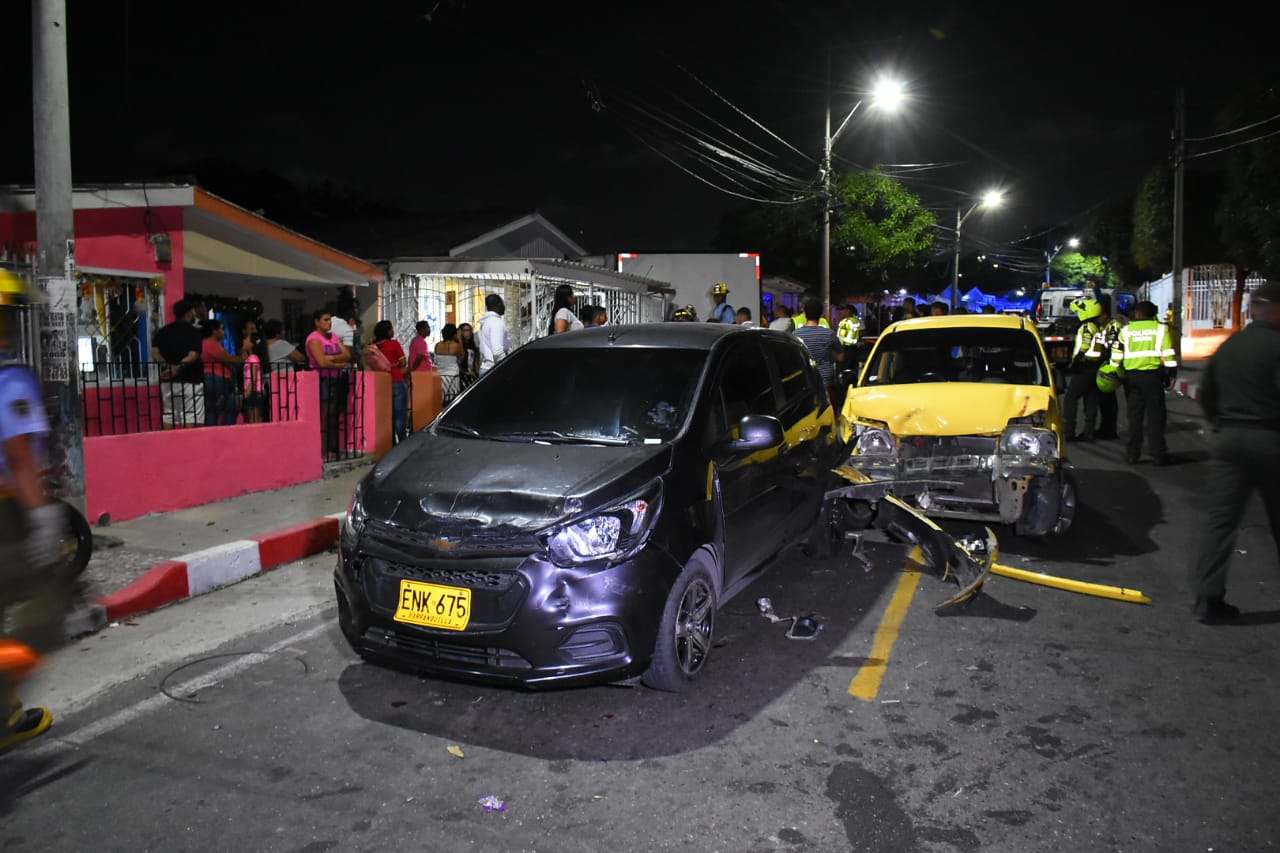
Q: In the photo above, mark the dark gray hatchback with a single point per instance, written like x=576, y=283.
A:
x=579, y=514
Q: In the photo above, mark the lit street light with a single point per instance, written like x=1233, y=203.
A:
x=1048, y=266
x=991, y=198
x=887, y=95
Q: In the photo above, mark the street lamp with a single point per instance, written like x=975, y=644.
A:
x=887, y=95
x=991, y=198
x=1048, y=258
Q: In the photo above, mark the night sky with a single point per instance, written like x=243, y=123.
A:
x=555, y=106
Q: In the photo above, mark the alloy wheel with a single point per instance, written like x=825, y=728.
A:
x=695, y=620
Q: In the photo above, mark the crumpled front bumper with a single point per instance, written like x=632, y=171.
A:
x=1019, y=490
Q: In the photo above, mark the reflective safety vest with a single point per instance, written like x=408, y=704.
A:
x=800, y=320
x=1144, y=345
x=848, y=331
x=1091, y=342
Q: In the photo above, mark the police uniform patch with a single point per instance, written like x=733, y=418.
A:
x=21, y=408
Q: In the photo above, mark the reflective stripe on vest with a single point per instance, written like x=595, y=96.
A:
x=1144, y=345
x=848, y=331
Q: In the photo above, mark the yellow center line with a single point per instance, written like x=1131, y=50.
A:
x=866, y=682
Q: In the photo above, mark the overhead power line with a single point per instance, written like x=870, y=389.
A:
x=1234, y=131
x=1236, y=145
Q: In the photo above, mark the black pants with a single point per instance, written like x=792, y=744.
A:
x=1083, y=386
x=1244, y=460
x=1144, y=406
x=1108, y=410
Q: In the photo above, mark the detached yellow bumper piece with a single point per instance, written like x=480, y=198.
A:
x=1117, y=593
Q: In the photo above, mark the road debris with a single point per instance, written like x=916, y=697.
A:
x=492, y=803
x=456, y=750
x=799, y=628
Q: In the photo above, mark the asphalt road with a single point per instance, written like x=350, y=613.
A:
x=1031, y=719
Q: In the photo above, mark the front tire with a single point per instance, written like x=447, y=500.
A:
x=684, y=635
x=1068, y=503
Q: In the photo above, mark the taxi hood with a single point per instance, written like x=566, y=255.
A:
x=945, y=408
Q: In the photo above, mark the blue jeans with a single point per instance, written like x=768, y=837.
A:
x=399, y=408
x=220, y=405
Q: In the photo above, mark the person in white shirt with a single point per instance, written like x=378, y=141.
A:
x=782, y=319
x=495, y=339
x=563, y=316
x=743, y=318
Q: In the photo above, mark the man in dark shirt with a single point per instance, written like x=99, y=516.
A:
x=1241, y=398
x=176, y=351
x=823, y=345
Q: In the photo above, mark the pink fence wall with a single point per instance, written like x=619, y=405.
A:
x=122, y=409
x=132, y=475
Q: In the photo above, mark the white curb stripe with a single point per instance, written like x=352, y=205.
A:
x=222, y=565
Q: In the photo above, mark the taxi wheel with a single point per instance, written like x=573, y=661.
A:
x=824, y=537
x=684, y=635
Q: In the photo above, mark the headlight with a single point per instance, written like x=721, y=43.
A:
x=1028, y=441
x=872, y=441
x=357, y=515
x=611, y=534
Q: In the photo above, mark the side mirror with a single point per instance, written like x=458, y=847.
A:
x=755, y=432
x=848, y=377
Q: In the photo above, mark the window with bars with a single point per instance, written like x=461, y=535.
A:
x=118, y=315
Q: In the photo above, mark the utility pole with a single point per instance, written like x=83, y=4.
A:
x=824, y=271
x=1179, y=162
x=955, y=282
x=55, y=253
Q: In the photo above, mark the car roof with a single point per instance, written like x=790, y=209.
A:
x=957, y=321
x=675, y=335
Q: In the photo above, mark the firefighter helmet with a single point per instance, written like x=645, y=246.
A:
x=719, y=289
x=687, y=314
x=1109, y=378
x=1086, y=308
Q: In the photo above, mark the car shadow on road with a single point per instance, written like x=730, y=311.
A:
x=752, y=665
x=1095, y=537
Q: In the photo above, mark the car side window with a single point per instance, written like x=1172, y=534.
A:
x=798, y=382
x=743, y=387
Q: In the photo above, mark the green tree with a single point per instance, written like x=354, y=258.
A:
x=1153, y=222
x=1075, y=269
x=879, y=231
x=1248, y=216
x=1110, y=233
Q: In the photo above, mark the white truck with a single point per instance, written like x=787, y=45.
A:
x=692, y=275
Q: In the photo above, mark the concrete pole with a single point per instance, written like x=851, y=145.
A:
x=824, y=272
x=55, y=253
x=1179, y=160
x=955, y=283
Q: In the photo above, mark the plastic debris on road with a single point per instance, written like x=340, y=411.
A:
x=492, y=803
x=455, y=750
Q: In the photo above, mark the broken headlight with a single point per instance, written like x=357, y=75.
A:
x=357, y=514
x=611, y=534
x=1029, y=441
x=873, y=441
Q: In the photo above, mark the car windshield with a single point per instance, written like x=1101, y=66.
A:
x=957, y=354
x=621, y=395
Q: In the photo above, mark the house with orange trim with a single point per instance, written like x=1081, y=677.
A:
x=139, y=248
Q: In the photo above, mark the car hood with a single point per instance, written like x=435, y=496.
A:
x=945, y=408
x=469, y=484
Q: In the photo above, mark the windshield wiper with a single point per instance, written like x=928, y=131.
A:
x=563, y=437
x=458, y=429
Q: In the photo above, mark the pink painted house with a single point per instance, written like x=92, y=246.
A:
x=139, y=249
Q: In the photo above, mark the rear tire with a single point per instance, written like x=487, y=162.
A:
x=684, y=635
x=79, y=548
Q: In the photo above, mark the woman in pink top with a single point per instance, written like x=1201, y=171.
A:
x=329, y=357
x=220, y=403
x=254, y=350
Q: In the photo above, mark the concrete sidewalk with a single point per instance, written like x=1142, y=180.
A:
x=146, y=563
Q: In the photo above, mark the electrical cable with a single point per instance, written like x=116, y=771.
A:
x=1236, y=145
x=1230, y=132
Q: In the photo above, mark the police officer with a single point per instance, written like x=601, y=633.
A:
x=1240, y=395
x=849, y=327
x=1144, y=349
x=721, y=311
x=1108, y=403
x=1086, y=358
x=31, y=530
